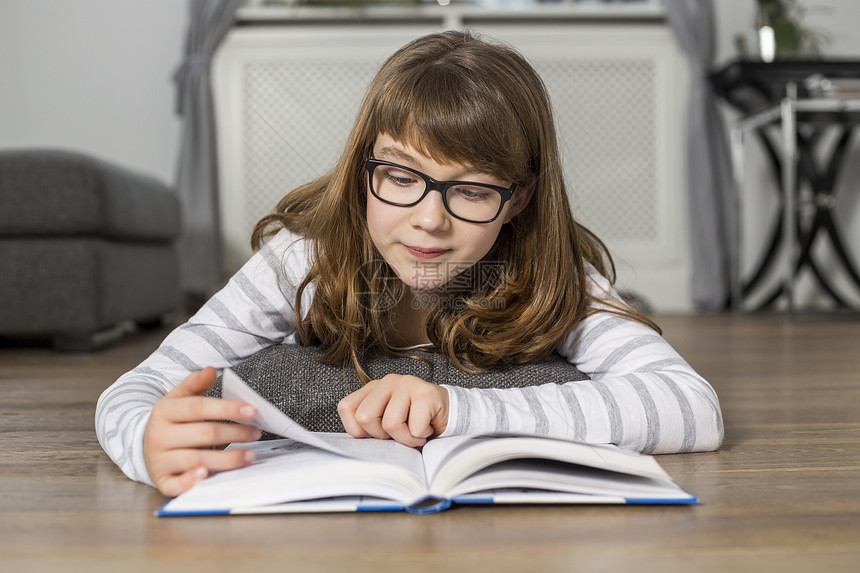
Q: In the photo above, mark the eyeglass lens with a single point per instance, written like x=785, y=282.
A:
x=401, y=186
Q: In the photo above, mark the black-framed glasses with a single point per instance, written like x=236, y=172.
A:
x=466, y=200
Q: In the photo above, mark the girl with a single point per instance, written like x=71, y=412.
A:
x=445, y=225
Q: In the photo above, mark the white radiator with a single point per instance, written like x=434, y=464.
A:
x=286, y=97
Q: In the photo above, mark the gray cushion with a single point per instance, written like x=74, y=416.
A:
x=84, y=246
x=50, y=192
x=290, y=377
x=83, y=284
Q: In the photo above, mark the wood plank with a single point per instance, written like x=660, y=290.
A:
x=783, y=493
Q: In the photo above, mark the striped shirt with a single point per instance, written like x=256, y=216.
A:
x=640, y=394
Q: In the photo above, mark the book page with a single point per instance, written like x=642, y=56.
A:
x=286, y=471
x=437, y=450
x=549, y=475
x=270, y=419
x=450, y=460
x=379, y=451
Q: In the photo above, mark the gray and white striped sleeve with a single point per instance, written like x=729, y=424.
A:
x=254, y=310
x=641, y=394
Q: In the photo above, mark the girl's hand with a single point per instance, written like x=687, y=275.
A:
x=181, y=423
x=404, y=408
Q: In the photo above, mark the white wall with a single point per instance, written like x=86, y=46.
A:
x=841, y=20
x=92, y=76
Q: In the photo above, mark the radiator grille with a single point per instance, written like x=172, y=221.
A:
x=298, y=114
x=297, y=118
x=605, y=115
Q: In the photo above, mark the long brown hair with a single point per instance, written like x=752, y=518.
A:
x=454, y=97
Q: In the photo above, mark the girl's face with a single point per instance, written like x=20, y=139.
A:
x=424, y=244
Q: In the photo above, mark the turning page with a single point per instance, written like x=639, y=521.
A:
x=272, y=420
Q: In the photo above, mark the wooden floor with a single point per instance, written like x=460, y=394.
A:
x=783, y=494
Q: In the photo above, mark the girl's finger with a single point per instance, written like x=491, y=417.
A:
x=201, y=435
x=351, y=401
x=173, y=485
x=397, y=412
x=178, y=462
x=429, y=412
x=369, y=412
x=418, y=426
x=346, y=410
x=198, y=408
x=195, y=384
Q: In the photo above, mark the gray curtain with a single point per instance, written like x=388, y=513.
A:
x=197, y=177
x=709, y=183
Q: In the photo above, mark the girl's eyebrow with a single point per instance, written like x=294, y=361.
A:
x=399, y=154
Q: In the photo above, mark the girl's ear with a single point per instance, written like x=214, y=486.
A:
x=521, y=199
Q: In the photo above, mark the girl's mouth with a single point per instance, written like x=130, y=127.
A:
x=425, y=253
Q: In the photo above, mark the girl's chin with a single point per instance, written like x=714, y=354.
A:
x=427, y=282
x=422, y=278
x=425, y=287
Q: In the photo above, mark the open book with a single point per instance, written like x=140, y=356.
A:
x=320, y=472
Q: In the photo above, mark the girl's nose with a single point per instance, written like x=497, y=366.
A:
x=430, y=214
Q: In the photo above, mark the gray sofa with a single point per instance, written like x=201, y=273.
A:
x=85, y=247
